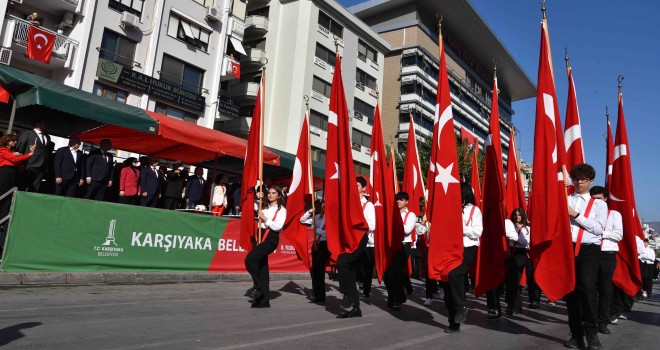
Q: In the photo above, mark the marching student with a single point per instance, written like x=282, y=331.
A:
x=347, y=263
x=395, y=276
x=518, y=233
x=455, y=286
x=612, y=234
x=256, y=262
x=588, y=217
x=647, y=259
x=320, y=252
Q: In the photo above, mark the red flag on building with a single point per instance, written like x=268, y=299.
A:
x=493, y=246
x=515, y=196
x=444, y=198
x=551, y=248
x=476, y=184
x=469, y=136
x=235, y=68
x=251, y=172
x=627, y=275
x=344, y=223
x=573, y=129
x=389, y=226
x=412, y=173
x=301, y=192
x=4, y=95
x=609, y=158
x=40, y=44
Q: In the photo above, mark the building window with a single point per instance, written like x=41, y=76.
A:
x=182, y=74
x=238, y=9
x=361, y=138
x=117, y=48
x=262, y=11
x=110, y=92
x=131, y=6
x=188, y=31
x=361, y=169
x=321, y=86
x=326, y=55
x=331, y=25
x=363, y=108
x=365, y=79
x=367, y=52
x=256, y=44
x=420, y=120
x=318, y=120
x=407, y=61
x=175, y=112
x=318, y=155
x=205, y=3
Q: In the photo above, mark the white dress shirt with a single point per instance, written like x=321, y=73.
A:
x=408, y=225
x=319, y=229
x=594, y=224
x=74, y=153
x=648, y=255
x=473, y=229
x=518, y=235
x=613, y=232
x=274, y=223
x=640, y=247
x=369, y=213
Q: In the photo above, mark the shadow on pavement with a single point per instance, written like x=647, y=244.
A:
x=9, y=334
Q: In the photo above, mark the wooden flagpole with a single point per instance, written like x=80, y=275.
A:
x=262, y=90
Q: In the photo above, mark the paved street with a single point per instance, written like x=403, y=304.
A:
x=218, y=316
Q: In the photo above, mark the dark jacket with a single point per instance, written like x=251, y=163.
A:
x=97, y=167
x=149, y=181
x=174, y=184
x=42, y=152
x=65, y=167
x=195, y=189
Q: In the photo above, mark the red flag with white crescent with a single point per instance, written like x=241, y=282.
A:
x=515, y=196
x=573, y=130
x=412, y=173
x=40, y=44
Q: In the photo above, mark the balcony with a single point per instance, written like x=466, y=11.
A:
x=254, y=56
x=244, y=91
x=55, y=6
x=16, y=32
x=257, y=24
x=236, y=28
x=228, y=64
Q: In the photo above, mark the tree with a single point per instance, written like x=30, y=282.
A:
x=464, y=150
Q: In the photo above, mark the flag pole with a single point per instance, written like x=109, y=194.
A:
x=310, y=173
x=262, y=95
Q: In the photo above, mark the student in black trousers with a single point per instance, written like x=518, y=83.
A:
x=320, y=252
x=518, y=233
x=256, y=262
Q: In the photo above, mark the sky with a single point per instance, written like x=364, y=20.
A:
x=604, y=39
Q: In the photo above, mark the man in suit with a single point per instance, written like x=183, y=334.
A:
x=173, y=187
x=149, y=184
x=37, y=165
x=195, y=189
x=68, y=169
x=98, y=169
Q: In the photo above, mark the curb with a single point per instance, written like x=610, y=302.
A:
x=87, y=278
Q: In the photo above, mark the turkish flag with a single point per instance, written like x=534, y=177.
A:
x=551, y=246
x=445, y=204
x=470, y=137
x=515, y=197
x=4, y=95
x=622, y=199
x=474, y=180
x=344, y=222
x=609, y=157
x=493, y=246
x=412, y=172
x=573, y=130
x=40, y=44
x=389, y=225
x=235, y=68
x=253, y=160
x=300, y=193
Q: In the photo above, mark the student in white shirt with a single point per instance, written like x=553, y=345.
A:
x=648, y=261
x=455, y=286
x=256, y=262
x=518, y=234
x=395, y=276
x=320, y=252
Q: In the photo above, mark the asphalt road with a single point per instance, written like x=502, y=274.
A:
x=218, y=316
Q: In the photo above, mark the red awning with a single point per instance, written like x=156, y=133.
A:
x=176, y=140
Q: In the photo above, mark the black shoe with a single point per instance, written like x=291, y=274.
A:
x=256, y=305
x=452, y=329
x=354, y=312
x=518, y=311
x=346, y=302
x=256, y=294
x=509, y=311
x=594, y=343
x=575, y=343
x=409, y=292
x=534, y=305
x=248, y=293
x=493, y=314
x=461, y=315
x=602, y=328
x=317, y=300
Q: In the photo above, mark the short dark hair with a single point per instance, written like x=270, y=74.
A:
x=362, y=181
x=598, y=190
x=74, y=141
x=583, y=172
x=402, y=195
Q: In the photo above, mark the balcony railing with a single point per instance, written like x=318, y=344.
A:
x=61, y=48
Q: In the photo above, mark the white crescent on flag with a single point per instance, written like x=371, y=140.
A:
x=39, y=35
x=297, y=176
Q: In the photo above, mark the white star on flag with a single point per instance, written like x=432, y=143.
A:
x=336, y=175
x=39, y=46
x=444, y=176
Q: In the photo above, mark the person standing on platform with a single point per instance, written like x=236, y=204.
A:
x=129, y=182
x=256, y=262
x=320, y=252
x=348, y=263
x=98, y=170
x=173, y=191
x=455, y=300
x=518, y=233
x=149, y=184
x=69, y=169
x=195, y=189
x=588, y=217
x=218, y=199
x=37, y=166
x=612, y=234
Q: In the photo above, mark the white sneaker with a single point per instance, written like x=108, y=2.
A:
x=428, y=302
x=644, y=294
x=441, y=294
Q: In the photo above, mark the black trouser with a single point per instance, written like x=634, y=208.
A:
x=256, y=264
x=416, y=262
x=67, y=187
x=431, y=284
x=96, y=190
x=533, y=290
x=317, y=271
x=31, y=179
x=455, y=286
x=617, y=306
x=582, y=303
x=407, y=284
x=493, y=298
x=130, y=200
x=605, y=273
x=171, y=203
x=368, y=263
x=347, y=264
x=647, y=278
x=517, y=262
x=148, y=201
x=394, y=277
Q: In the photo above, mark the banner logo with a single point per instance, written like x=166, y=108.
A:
x=109, y=247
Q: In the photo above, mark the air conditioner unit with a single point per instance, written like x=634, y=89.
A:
x=5, y=55
x=129, y=20
x=213, y=13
